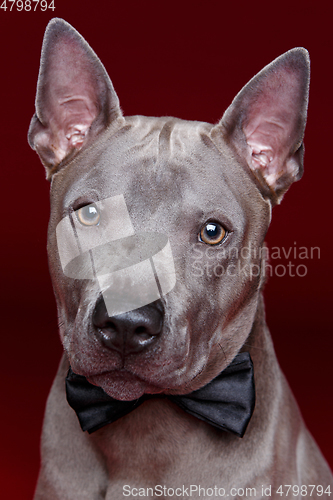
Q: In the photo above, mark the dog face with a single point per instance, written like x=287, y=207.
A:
x=176, y=190
x=157, y=224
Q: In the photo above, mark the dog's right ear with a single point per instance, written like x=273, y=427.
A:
x=75, y=98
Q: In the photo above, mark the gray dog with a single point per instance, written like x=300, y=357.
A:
x=156, y=252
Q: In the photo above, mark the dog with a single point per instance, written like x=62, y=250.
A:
x=140, y=207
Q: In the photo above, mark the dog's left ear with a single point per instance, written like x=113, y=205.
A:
x=265, y=122
x=75, y=98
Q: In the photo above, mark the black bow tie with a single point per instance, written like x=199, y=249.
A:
x=227, y=402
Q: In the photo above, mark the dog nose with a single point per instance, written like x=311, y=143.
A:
x=130, y=332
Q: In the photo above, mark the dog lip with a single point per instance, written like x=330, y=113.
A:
x=121, y=373
x=121, y=384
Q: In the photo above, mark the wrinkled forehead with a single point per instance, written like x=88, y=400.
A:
x=156, y=163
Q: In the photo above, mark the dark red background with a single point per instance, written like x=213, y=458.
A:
x=188, y=59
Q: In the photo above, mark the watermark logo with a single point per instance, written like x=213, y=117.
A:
x=251, y=262
x=193, y=490
x=98, y=242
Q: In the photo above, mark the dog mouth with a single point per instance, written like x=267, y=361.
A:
x=131, y=354
x=131, y=380
x=123, y=385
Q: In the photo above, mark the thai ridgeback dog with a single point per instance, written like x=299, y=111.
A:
x=156, y=253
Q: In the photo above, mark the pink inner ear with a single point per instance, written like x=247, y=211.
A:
x=270, y=127
x=71, y=121
x=70, y=102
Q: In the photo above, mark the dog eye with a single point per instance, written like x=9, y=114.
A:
x=212, y=233
x=88, y=215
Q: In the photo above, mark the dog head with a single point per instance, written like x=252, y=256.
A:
x=157, y=224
